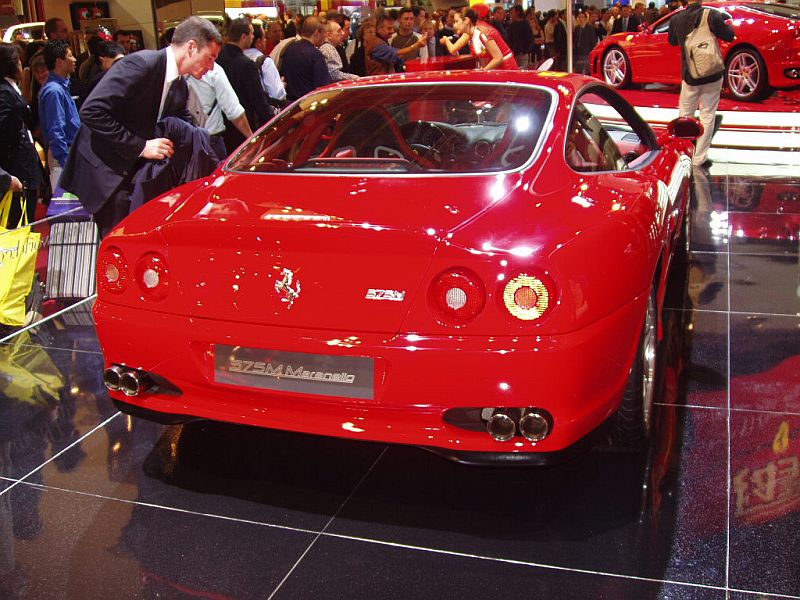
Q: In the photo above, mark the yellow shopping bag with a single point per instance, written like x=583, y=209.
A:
x=18, y=250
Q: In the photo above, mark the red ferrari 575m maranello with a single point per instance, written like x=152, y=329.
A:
x=764, y=56
x=469, y=262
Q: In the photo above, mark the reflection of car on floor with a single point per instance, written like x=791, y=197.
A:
x=765, y=226
x=413, y=259
x=764, y=56
x=773, y=197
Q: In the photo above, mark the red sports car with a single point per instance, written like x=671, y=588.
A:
x=472, y=262
x=764, y=56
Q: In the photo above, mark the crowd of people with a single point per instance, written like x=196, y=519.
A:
x=38, y=113
x=254, y=70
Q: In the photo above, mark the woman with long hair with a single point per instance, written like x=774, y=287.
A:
x=17, y=152
x=484, y=41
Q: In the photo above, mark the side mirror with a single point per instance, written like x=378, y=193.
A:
x=685, y=128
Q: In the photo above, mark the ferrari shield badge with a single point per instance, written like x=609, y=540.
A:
x=288, y=292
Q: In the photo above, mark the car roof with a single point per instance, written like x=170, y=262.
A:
x=746, y=3
x=561, y=83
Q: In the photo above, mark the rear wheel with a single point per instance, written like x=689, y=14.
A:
x=616, y=68
x=684, y=245
x=634, y=418
x=746, y=75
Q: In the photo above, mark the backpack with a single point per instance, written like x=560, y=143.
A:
x=262, y=58
x=279, y=58
x=703, y=56
x=195, y=108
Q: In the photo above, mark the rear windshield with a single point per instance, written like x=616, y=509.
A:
x=404, y=128
x=780, y=10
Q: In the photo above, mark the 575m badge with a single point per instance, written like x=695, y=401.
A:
x=391, y=295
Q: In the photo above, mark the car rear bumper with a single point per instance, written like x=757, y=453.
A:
x=578, y=378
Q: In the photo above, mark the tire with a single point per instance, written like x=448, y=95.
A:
x=634, y=419
x=746, y=75
x=743, y=194
x=616, y=68
x=684, y=245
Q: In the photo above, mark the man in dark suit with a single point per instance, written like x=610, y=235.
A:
x=245, y=79
x=627, y=21
x=120, y=115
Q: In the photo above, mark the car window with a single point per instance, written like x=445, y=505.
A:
x=663, y=25
x=606, y=134
x=436, y=128
x=780, y=10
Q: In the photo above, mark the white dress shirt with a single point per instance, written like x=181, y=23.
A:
x=215, y=86
x=270, y=78
x=172, y=75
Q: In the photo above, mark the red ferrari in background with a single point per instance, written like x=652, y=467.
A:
x=764, y=56
x=471, y=262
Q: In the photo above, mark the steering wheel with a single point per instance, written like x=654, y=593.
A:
x=399, y=146
x=430, y=138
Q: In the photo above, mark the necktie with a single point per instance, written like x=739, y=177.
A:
x=176, y=98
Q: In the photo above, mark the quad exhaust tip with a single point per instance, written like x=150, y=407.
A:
x=111, y=377
x=131, y=382
x=503, y=424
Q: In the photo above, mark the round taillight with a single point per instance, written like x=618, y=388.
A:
x=112, y=271
x=457, y=296
x=526, y=297
x=152, y=276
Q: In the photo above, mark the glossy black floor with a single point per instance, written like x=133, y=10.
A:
x=95, y=505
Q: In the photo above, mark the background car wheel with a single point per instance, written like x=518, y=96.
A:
x=634, y=418
x=616, y=68
x=743, y=194
x=746, y=75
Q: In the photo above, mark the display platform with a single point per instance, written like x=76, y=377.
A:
x=770, y=127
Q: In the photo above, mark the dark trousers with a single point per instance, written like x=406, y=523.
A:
x=113, y=211
x=218, y=146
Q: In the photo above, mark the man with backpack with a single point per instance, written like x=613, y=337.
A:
x=696, y=30
x=244, y=76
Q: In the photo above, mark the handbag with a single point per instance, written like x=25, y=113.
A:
x=18, y=250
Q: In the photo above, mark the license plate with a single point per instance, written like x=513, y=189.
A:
x=320, y=374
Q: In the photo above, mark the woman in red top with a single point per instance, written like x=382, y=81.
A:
x=484, y=40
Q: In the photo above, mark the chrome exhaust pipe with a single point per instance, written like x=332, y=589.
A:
x=111, y=377
x=533, y=425
x=133, y=382
x=501, y=426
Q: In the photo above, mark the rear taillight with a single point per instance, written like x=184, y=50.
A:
x=112, y=271
x=457, y=296
x=526, y=297
x=152, y=276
